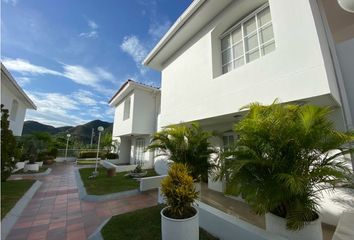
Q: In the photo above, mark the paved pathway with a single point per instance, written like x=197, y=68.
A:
x=56, y=212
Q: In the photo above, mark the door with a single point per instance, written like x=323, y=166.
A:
x=139, y=150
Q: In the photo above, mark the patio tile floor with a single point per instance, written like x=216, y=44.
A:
x=56, y=212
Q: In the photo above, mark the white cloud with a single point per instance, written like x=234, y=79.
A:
x=85, y=97
x=92, y=24
x=57, y=109
x=23, y=66
x=132, y=46
x=93, y=30
x=23, y=80
x=158, y=29
x=12, y=2
x=79, y=74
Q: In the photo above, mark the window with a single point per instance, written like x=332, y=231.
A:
x=139, y=150
x=248, y=40
x=126, y=113
x=228, y=140
x=14, y=108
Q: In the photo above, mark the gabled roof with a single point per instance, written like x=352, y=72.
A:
x=14, y=85
x=192, y=20
x=127, y=87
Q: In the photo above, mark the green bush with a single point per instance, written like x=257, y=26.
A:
x=111, y=156
x=8, y=145
x=281, y=161
x=92, y=154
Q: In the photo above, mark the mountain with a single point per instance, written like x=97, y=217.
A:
x=80, y=132
x=30, y=127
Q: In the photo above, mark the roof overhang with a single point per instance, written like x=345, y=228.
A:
x=11, y=83
x=193, y=19
x=127, y=88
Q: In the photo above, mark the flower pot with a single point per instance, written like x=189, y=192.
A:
x=177, y=229
x=34, y=167
x=40, y=164
x=277, y=225
x=111, y=172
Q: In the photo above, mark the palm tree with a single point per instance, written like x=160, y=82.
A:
x=282, y=160
x=185, y=143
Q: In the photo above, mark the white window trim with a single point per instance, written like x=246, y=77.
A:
x=260, y=46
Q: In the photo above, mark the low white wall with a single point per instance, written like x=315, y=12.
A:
x=148, y=183
x=119, y=168
x=226, y=227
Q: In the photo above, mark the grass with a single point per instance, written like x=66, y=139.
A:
x=106, y=185
x=143, y=224
x=11, y=192
x=41, y=169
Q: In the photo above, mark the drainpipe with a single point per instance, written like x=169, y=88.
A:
x=346, y=114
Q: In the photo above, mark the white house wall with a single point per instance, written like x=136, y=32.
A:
x=120, y=126
x=193, y=87
x=145, y=112
x=7, y=98
x=345, y=54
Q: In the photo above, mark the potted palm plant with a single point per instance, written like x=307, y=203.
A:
x=281, y=162
x=179, y=220
x=186, y=143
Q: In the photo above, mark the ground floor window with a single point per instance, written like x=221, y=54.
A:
x=139, y=150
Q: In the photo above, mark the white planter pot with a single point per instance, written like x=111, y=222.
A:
x=40, y=164
x=178, y=229
x=277, y=225
x=31, y=167
x=347, y=5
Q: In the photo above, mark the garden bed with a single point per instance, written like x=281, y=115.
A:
x=11, y=193
x=141, y=224
x=103, y=184
x=41, y=170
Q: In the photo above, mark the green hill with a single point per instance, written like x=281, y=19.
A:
x=80, y=132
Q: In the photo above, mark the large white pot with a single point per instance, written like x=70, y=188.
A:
x=180, y=229
x=31, y=167
x=347, y=5
x=277, y=225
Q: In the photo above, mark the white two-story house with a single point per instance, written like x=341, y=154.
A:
x=136, y=111
x=15, y=100
x=222, y=55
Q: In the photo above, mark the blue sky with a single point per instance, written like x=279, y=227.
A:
x=70, y=56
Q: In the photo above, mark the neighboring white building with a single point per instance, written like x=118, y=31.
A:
x=222, y=55
x=15, y=100
x=136, y=111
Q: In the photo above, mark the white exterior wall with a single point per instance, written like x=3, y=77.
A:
x=7, y=98
x=145, y=112
x=345, y=54
x=120, y=126
x=192, y=87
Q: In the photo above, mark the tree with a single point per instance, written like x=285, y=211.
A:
x=282, y=160
x=188, y=144
x=8, y=145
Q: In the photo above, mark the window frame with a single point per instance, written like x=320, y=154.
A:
x=127, y=107
x=240, y=24
x=14, y=110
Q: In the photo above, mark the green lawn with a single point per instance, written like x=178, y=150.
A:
x=106, y=185
x=11, y=192
x=144, y=224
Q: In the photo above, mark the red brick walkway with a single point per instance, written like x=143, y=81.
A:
x=56, y=212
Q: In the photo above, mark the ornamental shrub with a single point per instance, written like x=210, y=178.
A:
x=8, y=145
x=179, y=191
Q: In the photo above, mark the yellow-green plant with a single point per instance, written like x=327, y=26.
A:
x=179, y=191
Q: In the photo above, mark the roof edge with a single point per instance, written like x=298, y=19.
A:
x=13, y=81
x=130, y=81
x=186, y=15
